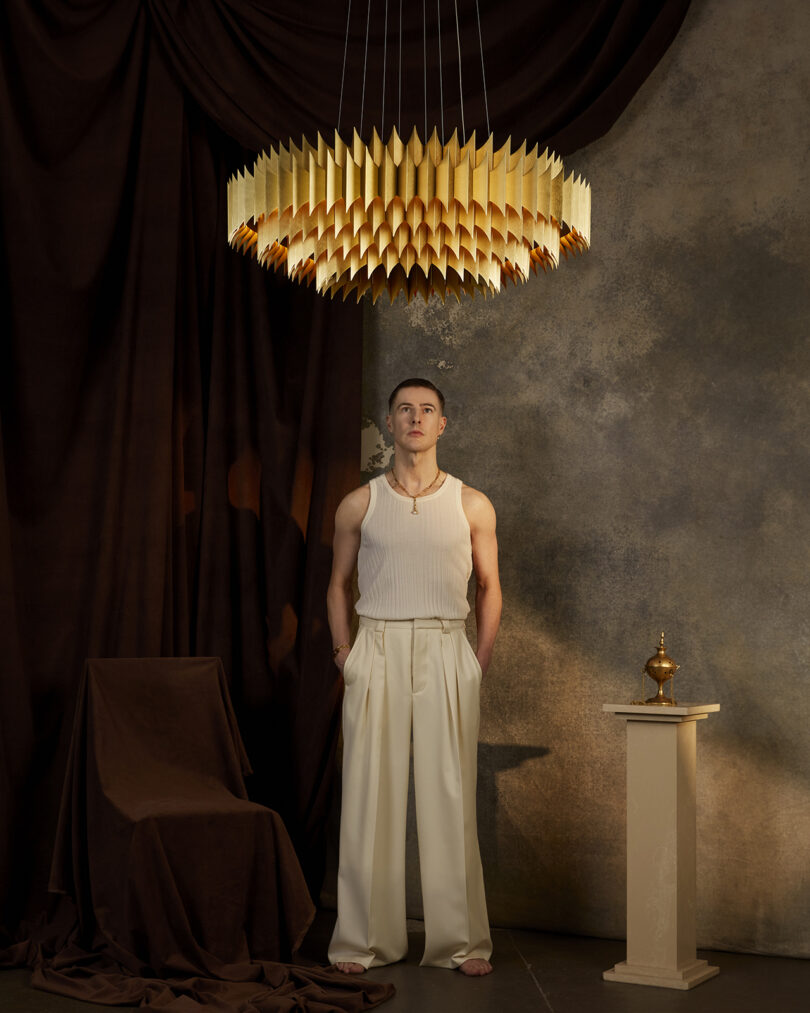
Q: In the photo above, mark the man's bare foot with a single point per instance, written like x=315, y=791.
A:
x=349, y=968
x=475, y=967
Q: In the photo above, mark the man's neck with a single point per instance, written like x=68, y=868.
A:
x=415, y=471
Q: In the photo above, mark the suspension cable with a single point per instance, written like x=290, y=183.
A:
x=460, y=87
x=365, y=61
x=424, y=59
x=439, y=34
x=343, y=72
x=483, y=75
x=385, y=56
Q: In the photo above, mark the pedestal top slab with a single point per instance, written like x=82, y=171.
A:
x=680, y=710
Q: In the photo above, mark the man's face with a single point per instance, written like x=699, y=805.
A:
x=416, y=419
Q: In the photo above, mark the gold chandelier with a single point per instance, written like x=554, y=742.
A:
x=413, y=218
x=410, y=217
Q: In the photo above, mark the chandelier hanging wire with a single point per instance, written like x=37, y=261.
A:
x=440, y=217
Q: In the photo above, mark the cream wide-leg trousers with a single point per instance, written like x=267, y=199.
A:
x=420, y=674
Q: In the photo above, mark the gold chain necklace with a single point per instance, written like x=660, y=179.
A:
x=399, y=485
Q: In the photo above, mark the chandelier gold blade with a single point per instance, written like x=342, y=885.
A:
x=410, y=218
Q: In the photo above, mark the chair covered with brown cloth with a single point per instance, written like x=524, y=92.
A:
x=166, y=858
x=187, y=893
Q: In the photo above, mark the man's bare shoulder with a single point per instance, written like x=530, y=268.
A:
x=476, y=505
x=353, y=507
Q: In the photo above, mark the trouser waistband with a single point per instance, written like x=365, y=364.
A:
x=413, y=624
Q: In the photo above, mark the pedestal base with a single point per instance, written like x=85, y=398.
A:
x=662, y=977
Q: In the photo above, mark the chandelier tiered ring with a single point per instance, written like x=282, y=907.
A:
x=408, y=217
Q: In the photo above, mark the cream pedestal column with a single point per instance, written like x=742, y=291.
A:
x=661, y=866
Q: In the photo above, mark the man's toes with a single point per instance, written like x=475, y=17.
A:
x=475, y=967
x=347, y=967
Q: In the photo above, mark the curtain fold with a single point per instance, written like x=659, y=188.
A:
x=176, y=425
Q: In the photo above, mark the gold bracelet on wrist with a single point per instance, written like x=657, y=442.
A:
x=336, y=650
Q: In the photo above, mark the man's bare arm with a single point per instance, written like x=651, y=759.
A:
x=488, y=601
x=345, y=546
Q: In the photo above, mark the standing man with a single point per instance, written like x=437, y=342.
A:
x=415, y=534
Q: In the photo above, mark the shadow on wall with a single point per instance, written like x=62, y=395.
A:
x=492, y=760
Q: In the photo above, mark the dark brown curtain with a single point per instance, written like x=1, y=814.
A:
x=177, y=426
x=170, y=458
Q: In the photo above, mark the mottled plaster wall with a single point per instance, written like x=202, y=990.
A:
x=640, y=420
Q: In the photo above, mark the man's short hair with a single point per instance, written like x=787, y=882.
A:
x=416, y=381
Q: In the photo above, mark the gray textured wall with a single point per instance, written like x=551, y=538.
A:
x=640, y=421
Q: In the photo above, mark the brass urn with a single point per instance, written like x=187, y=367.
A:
x=660, y=668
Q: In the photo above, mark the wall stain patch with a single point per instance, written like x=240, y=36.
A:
x=375, y=451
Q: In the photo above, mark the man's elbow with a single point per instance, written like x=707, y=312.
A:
x=338, y=589
x=486, y=584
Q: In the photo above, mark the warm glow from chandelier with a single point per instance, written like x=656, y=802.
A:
x=408, y=217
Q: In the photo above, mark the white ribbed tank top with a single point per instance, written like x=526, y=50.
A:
x=414, y=566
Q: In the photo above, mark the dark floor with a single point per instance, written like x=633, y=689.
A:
x=534, y=971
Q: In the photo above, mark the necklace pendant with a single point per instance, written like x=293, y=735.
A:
x=415, y=508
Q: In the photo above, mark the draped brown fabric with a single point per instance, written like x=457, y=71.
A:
x=168, y=862
x=177, y=426
x=175, y=873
